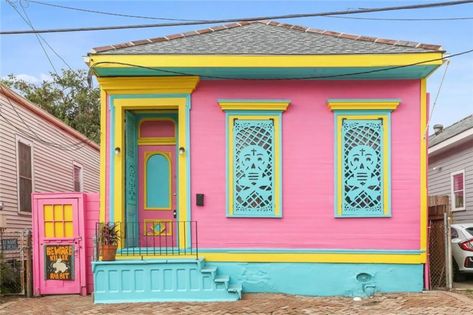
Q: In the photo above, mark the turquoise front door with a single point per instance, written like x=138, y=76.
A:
x=157, y=209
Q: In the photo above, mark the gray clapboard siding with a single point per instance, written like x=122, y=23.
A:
x=457, y=159
x=52, y=167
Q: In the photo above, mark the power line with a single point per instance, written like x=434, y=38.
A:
x=287, y=16
x=436, y=98
x=39, y=37
x=111, y=13
x=402, y=19
x=36, y=35
x=187, y=20
x=40, y=40
x=290, y=78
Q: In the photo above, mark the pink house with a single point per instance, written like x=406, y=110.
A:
x=263, y=157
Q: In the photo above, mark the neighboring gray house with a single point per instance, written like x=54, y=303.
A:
x=451, y=167
x=39, y=153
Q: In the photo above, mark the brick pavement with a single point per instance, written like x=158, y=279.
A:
x=428, y=303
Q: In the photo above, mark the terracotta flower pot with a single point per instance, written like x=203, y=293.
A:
x=109, y=252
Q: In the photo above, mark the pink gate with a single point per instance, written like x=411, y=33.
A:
x=59, y=256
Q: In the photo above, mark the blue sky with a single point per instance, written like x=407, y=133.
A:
x=22, y=55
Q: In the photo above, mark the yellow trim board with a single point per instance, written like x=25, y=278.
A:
x=301, y=257
x=262, y=61
x=143, y=85
x=276, y=105
x=157, y=141
x=362, y=104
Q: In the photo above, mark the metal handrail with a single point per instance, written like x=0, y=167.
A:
x=151, y=238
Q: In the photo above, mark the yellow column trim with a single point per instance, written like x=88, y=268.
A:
x=423, y=165
x=182, y=171
x=103, y=154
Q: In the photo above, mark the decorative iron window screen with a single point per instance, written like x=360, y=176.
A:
x=362, y=167
x=253, y=168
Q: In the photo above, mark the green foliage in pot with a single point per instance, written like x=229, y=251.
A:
x=109, y=234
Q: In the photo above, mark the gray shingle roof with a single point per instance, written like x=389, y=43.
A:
x=451, y=131
x=265, y=38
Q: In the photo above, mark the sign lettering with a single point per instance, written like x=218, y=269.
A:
x=59, y=262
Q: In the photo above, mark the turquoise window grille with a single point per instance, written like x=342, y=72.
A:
x=253, y=167
x=362, y=167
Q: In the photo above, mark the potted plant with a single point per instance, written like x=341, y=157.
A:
x=109, y=240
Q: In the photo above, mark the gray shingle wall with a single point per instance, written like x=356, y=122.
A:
x=258, y=38
x=440, y=182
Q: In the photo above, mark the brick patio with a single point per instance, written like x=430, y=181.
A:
x=428, y=303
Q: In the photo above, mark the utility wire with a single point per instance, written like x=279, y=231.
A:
x=348, y=74
x=187, y=20
x=27, y=20
x=436, y=98
x=36, y=35
x=287, y=16
x=42, y=38
x=111, y=13
x=403, y=19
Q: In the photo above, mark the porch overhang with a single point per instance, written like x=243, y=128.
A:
x=310, y=67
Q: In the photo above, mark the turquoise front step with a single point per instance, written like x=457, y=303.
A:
x=125, y=281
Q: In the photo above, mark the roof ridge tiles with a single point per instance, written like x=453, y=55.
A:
x=270, y=23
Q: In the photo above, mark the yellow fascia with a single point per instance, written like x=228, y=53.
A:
x=277, y=126
x=270, y=105
x=265, y=61
x=386, y=146
x=363, y=104
x=121, y=105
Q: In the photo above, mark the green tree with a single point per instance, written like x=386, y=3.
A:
x=66, y=96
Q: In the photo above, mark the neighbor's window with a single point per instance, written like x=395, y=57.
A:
x=25, y=176
x=77, y=177
x=458, y=190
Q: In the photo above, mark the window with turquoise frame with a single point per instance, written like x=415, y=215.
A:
x=363, y=157
x=254, y=157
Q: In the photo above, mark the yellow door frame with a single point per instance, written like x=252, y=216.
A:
x=147, y=98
